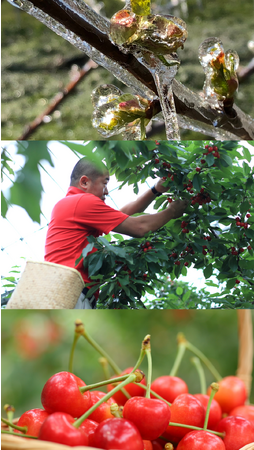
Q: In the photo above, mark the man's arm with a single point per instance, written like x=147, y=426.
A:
x=144, y=200
x=140, y=225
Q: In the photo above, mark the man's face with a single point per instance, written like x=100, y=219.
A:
x=99, y=186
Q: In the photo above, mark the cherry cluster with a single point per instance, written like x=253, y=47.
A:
x=211, y=149
x=202, y=198
x=138, y=413
x=239, y=221
x=146, y=246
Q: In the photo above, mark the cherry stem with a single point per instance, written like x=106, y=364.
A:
x=104, y=364
x=146, y=347
x=76, y=337
x=180, y=353
x=18, y=434
x=201, y=373
x=192, y=427
x=154, y=393
x=103, y=383
x=9, y=409
x=131, y=378
x=200, y=355
x=12, y=425
x=115, y=411
x=215, y=388
x=99, y=349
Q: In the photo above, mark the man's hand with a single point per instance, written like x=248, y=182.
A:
x=178, y=207
x=159, y=186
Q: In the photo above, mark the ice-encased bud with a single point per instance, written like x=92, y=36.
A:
x=112, y=115
x=123, y=25
x=157, y=34
x=220, y=70
x=104, y=94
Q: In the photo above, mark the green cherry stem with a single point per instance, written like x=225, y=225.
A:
x=215, y=388
x=192, y=427
x=201, y=356
x=104, y=364
x=154, y=394
x=137, y=376
x=9, y=409
x=146, y=346
x=103, y=383
x=77, y=334
x=97, y=347
x=180, y=353
x=201, y=373
x=18, y=435
x=12, y=425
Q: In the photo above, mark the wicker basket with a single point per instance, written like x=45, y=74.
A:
x=244, y=371
x=45, y=285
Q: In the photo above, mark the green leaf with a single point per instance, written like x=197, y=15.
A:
x=226, y=160
x=197, y=182
x=246, y=169
x=87, y=249
x=208, y=271
x=231, y=283
x=4, y=205
x=179, y=290
x=210, y=159
x=122, y=159
x=247, y=154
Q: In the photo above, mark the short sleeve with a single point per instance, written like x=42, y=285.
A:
x=94, y=213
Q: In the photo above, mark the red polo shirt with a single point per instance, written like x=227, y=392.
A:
x=73, y=219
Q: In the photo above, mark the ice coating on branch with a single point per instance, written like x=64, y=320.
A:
x=220, y=70
x=116, y=112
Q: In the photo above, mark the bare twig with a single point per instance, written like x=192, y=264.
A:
x=60, y=96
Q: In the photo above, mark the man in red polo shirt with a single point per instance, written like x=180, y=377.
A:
x=83, y=212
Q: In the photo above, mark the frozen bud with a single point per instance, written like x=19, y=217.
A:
x=123, y=25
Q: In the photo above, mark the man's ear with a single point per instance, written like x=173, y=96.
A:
x=83, y=182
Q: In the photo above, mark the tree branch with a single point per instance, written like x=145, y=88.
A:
x=234, y=122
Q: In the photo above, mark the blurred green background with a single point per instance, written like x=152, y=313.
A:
x=36, y=64
x=36, y=344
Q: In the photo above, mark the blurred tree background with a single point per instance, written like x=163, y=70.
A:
x=37, y=64
x=35, y=345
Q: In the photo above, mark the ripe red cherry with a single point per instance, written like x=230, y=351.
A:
x=58, y=428
x=33, y=420
x=237, y=281
x=102, y=412
x=132, y=388
x=89, y=427
x=245, y=411
x=198, y=169
x=232, y=392
x=156, y=160
x=61, y=393
x=151, y=416
x=201, y=440
x=120, y=434
x=238, y=432
x=147, y=445
x=169, y=387
x=215, y=413
x=185, y=409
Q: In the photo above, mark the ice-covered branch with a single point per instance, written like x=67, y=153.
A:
x=80, y=25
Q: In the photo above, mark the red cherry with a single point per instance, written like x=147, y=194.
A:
x=248, y=216
x=232, y=392
x=172, y=178
x=249, y=247
x=177, y=263
x=210, y=149
x=169, y=387
x=102, y=412
x=147, y=445
x=201, y=440
x=245, y=225
x=165, y=164
x=61, y=393
x=245, y=411
x=239, y=432
x=150, y=247
x=215, y=413
x=120, y=434
x=58, y=428
x=170, y=200
x=88, y=427
x=186, y=264
x=132, y=388
x=198, y=169
x=203, y=161
x=188, y=410
x=156, y=160
x=237, y=281
x=145, y=250
x=241, y=250
x=33, y=420
x=151, y=416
